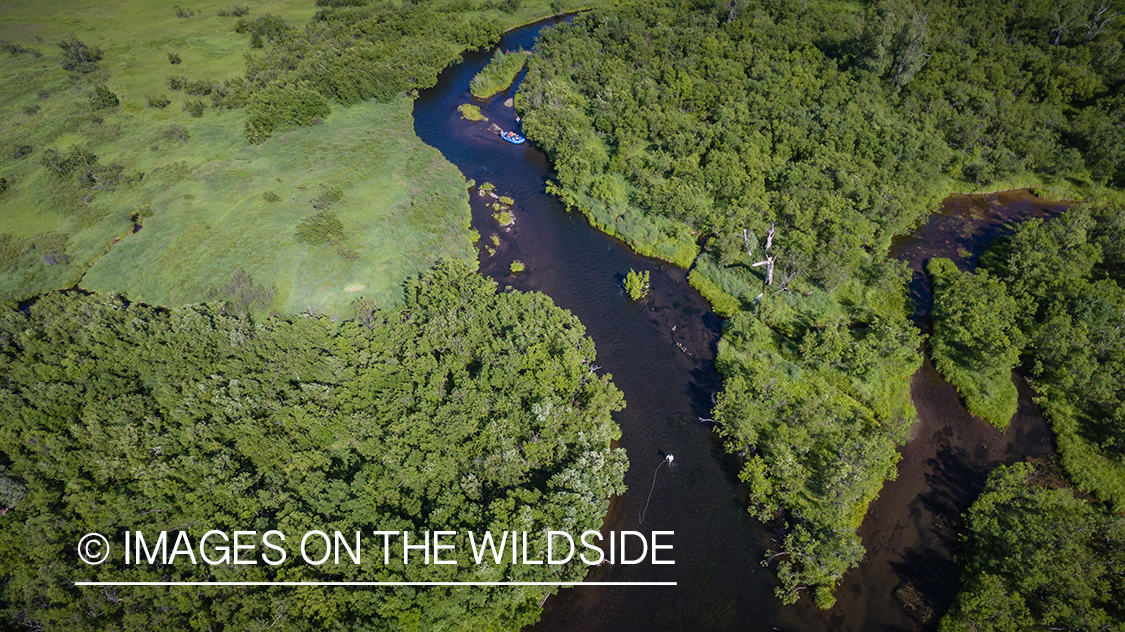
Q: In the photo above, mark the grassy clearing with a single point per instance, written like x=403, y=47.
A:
x=499, y=74
x=989, y=395
x=211, y=205
x=400, y=205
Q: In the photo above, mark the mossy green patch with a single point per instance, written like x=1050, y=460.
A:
x=471, y=112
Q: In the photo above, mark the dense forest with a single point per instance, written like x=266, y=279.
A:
x=816, y=396
x=1049, y=301
x=776, y=149
x=1067, y=275
x=1039, y=558
x=1043, y=551
x=465, y=409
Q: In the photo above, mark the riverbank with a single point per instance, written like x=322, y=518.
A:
x=912, y=520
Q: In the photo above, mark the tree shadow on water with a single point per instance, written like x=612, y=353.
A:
x=928, y=584
x=954, y=480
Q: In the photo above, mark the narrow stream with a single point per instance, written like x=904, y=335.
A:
x=910, y=575
x=661, y=353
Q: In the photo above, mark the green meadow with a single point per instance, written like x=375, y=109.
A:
x=401, y=205
x=211, y=206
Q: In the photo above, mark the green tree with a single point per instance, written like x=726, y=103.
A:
x=1038, y=558
x=103, y=98
x=78, y=56
x=637, y=284
x=280, y=107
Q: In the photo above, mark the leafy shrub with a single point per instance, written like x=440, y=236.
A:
x=342, y=3
x=279, y=107
x=43, y=94
x=363, y=309
x=199, y=88
x=78, y=57
x=177, y=83
x=516, y=267
x=174, y=59
x=237, y=10
x=21, y=151
x=31, y=110
x=256, y=41
x=14, y=49
x=158, y=101
x=229, y=95
x=269, y=26
x=3, y=185
x=84, y=168
x=142, y=212
x=183, y=13
x=102, y=98
x=270, y=196
x=241, y=295
x=176, y=132
x=322, y=227
x=327, y=199
x=75, y=160
x=471, y=112
x=194, y=108
x=636, y=284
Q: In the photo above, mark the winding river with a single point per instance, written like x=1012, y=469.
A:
x=661, y=354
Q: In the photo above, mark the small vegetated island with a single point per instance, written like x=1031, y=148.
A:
x=499, y=74
x=776, y=149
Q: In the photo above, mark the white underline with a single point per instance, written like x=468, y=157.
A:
x=578, y=583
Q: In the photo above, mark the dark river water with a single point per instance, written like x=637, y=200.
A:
x=661, y=351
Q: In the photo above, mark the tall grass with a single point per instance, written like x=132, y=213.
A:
x=499, y=74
